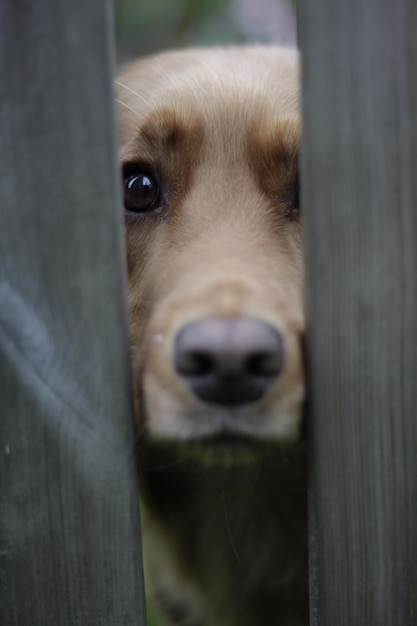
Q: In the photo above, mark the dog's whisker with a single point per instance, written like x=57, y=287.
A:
x=156, y=468
x=135, y=93
x=228, y=527
x=204, y=474
x=127, y=107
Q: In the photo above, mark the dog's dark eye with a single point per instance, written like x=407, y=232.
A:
x=293, y=210
x=141, y=192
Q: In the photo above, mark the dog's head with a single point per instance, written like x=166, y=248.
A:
x=209, y=151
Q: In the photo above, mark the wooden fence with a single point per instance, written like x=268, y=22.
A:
x=359, y=188
x=69, y=530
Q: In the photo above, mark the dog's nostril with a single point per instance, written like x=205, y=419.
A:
x=229, y=361
x=195, y=363
x=265, y=364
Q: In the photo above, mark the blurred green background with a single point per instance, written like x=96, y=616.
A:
x=146, y=26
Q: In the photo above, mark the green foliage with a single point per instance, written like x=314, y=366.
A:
x=152, y=619
x=144, y=26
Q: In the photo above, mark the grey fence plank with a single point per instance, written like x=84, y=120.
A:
x=69, y=529
x=359, y=169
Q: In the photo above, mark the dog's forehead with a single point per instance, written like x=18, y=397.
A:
x=223, y=88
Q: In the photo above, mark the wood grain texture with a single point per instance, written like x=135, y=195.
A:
x=359, y=173
x=69, y=529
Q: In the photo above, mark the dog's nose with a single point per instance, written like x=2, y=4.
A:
x=229, y=361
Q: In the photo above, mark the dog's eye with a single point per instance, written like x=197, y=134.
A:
x=141, y=192
x=293, y=210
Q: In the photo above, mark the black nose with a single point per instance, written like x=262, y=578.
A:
x=229, y=361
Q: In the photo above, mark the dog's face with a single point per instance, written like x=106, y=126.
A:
x=209, y=151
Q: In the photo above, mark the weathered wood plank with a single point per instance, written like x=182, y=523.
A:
x=359, y=169
x=69, y=530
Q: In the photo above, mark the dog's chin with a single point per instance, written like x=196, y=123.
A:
x=225, y=450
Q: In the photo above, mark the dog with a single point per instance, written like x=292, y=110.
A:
x=209, y=143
